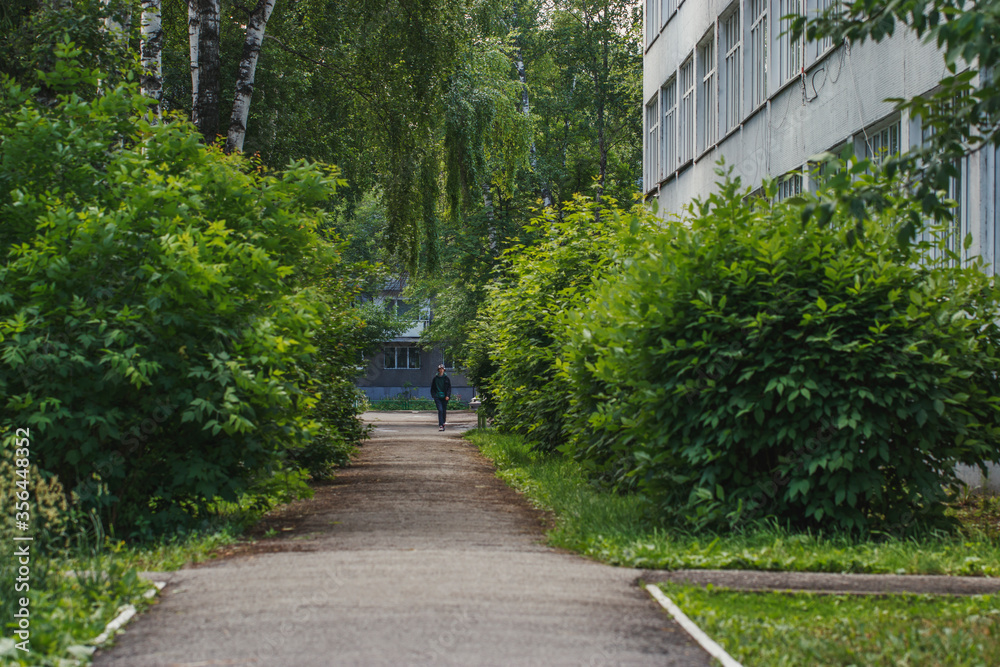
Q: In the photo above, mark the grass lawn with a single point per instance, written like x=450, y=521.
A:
x=616, y=529
x=779, y=629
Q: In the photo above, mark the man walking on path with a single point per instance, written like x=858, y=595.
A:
x=441, y=391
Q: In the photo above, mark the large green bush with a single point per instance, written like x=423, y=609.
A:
x=745, y=364
x=155, y=334
x=521, y=331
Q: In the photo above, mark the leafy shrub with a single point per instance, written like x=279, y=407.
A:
x=522, y=329
x=49, y=518
x=154, y=328
x=745, y=364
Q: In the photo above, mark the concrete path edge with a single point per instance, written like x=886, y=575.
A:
x=829, y=583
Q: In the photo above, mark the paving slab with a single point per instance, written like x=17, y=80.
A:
x=416, y=555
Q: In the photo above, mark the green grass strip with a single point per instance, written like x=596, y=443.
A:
x=618, y=530
x=74, y=596
x=780, y=629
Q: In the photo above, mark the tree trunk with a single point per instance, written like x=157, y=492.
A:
x=208, y=69
x=151, y=53
x=491, y=226
x=117, y=30
x=194, y=34
x=244, y=80
x=602, y=143
x=522, y=74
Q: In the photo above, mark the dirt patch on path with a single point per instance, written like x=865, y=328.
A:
x=442, y=491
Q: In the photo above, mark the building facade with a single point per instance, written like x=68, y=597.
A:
x=722, y=81
x=402, y=366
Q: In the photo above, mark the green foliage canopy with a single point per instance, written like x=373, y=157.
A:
x=155, y=324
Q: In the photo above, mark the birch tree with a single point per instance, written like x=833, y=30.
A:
x=194, y=33
x=151, y=54
x=245, y=79
x=203, y=40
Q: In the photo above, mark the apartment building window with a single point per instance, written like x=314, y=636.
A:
x=731, y=38
x=668, y=127
x=756, y=65
x=708, y=108
x=667, y=9
x=789, y=185
x=958, y=190
x=789, y=50
x=882, y=143
x=685, y=123
x=652, y=143
x=825, y=43
x=652, y=20
x=402, y=358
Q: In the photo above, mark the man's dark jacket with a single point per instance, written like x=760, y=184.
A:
x=440, y=383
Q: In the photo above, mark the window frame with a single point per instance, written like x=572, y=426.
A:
x=668, y=128
x=707, y=94
x=652, y=142
x=755, y=65
x=412, y=357
x=730, y=75
x=877, y=129
x=790, y=184
x=790, y=54
x=686, y=114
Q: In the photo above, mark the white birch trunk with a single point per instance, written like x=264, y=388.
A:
x=194, y=35
x=116, y=29
x=151, y=54
x=491, y=229
x=245, y=79
x=526, y=110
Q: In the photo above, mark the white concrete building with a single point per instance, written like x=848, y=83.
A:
x=722, y=81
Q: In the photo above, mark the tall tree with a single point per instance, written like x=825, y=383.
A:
x=151, y=53
x=600, y=41
x=248, y=69
x=206, y=84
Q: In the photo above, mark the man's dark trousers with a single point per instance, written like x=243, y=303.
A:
x=442, y=406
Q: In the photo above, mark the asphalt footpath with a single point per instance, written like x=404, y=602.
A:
x=416, y=555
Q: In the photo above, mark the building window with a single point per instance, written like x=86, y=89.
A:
x=789, y=185
x=757, y=58
x=730, y=35
x=825, y=43
x=668, y=127
x=882, y=143
x=667, y=9
x=652, y=20
x=400, y=308
x=789, y=50
x=708, y=108
x=958, y=191
x=685, y=122
x=652, y=144
x=402, y=357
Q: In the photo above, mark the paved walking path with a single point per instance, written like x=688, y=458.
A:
x=416, y=555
